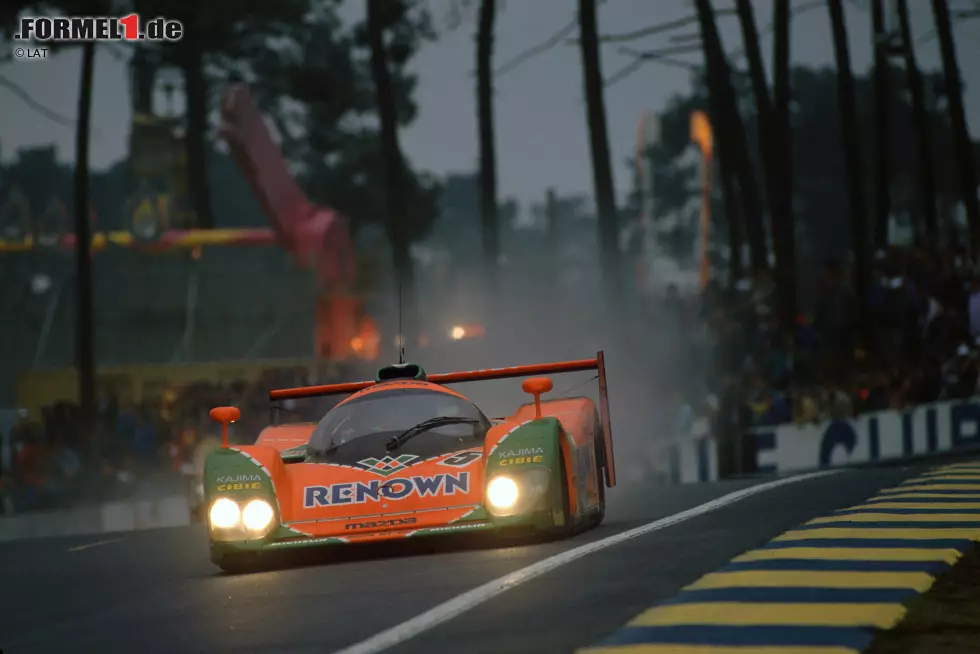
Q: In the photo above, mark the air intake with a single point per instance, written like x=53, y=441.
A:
x=401, y=371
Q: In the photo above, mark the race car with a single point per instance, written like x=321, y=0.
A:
x=406, y=456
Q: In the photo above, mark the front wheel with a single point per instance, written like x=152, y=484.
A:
x=564, y=520
x=598, y=513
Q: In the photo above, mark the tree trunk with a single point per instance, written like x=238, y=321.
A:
x=736, y=236
x=394, y=165
x=781, y=136
x=927, y=175
x=854, y=171
x=730, y=133
x=605, y=197
x=84, y=324
x=760, y=90
x=196, y=145
x=962, y=143
x=488, y=156
x=143, y=72
x=882, y=151
x=768, y=134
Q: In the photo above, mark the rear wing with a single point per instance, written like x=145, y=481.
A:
x=598, y=364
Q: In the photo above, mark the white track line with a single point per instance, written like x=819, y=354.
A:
x=470, y=599
x=96, y=544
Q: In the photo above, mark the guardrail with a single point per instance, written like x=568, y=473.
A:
x=927, y=429
x=106, y=518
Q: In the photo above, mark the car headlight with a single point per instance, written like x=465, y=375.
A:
x=225, y=513
x=502, y=493
x=258, y=514
x=517, y=493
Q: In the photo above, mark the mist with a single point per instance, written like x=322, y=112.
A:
x=541, y=315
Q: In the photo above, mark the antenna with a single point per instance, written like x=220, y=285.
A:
x=401, y=332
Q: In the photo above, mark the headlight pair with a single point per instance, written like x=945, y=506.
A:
x=512, y=494
x=257, y=515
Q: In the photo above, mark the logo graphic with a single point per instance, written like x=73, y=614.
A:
x=381, y=523
x=225, y=480
x=524, y=451
x=387, y=466
x=98, y=28
x=462, y=459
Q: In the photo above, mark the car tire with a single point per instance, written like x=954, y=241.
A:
x=599, y=513
x=564, y=503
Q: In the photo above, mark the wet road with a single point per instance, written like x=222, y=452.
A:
x=155, y=591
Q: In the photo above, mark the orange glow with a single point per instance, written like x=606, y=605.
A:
x=459, y=332
x=702, y=136
x=701, y=132
x=367, y=343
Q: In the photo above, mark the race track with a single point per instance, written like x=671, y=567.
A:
x=155, y=591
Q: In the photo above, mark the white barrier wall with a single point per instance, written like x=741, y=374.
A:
x=107, y=518
x=935, y=428
x=881, y=436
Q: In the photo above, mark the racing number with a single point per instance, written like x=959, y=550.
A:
x=462, y=459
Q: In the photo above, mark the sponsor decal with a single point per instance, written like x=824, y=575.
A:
x=461, y=460
x=237, y=478
x=435, y=530
x=239, y=482
x=525, y=451
x=255, y=485
x=521, y=460
x=399, y=488
x=381, y=523
x=387, y=466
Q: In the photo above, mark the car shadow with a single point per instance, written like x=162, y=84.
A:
x=409, y=547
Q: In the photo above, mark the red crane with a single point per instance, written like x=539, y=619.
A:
x=316, y=236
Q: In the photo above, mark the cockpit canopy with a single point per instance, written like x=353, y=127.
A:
x=360, y=427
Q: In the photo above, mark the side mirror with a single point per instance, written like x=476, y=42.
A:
x=225, y=415
x=536, y=386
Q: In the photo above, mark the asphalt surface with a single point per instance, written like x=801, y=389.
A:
x=155, y=591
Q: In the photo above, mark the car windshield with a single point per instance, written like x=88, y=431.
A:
x=361, y=427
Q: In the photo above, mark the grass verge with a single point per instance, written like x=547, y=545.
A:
x=945, y=620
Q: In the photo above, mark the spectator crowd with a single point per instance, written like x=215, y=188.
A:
x=921, y=345
x=52, y=463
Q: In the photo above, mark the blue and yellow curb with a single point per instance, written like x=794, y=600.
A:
x=825, y=587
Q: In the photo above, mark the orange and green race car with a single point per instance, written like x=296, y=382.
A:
x=404, y=456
